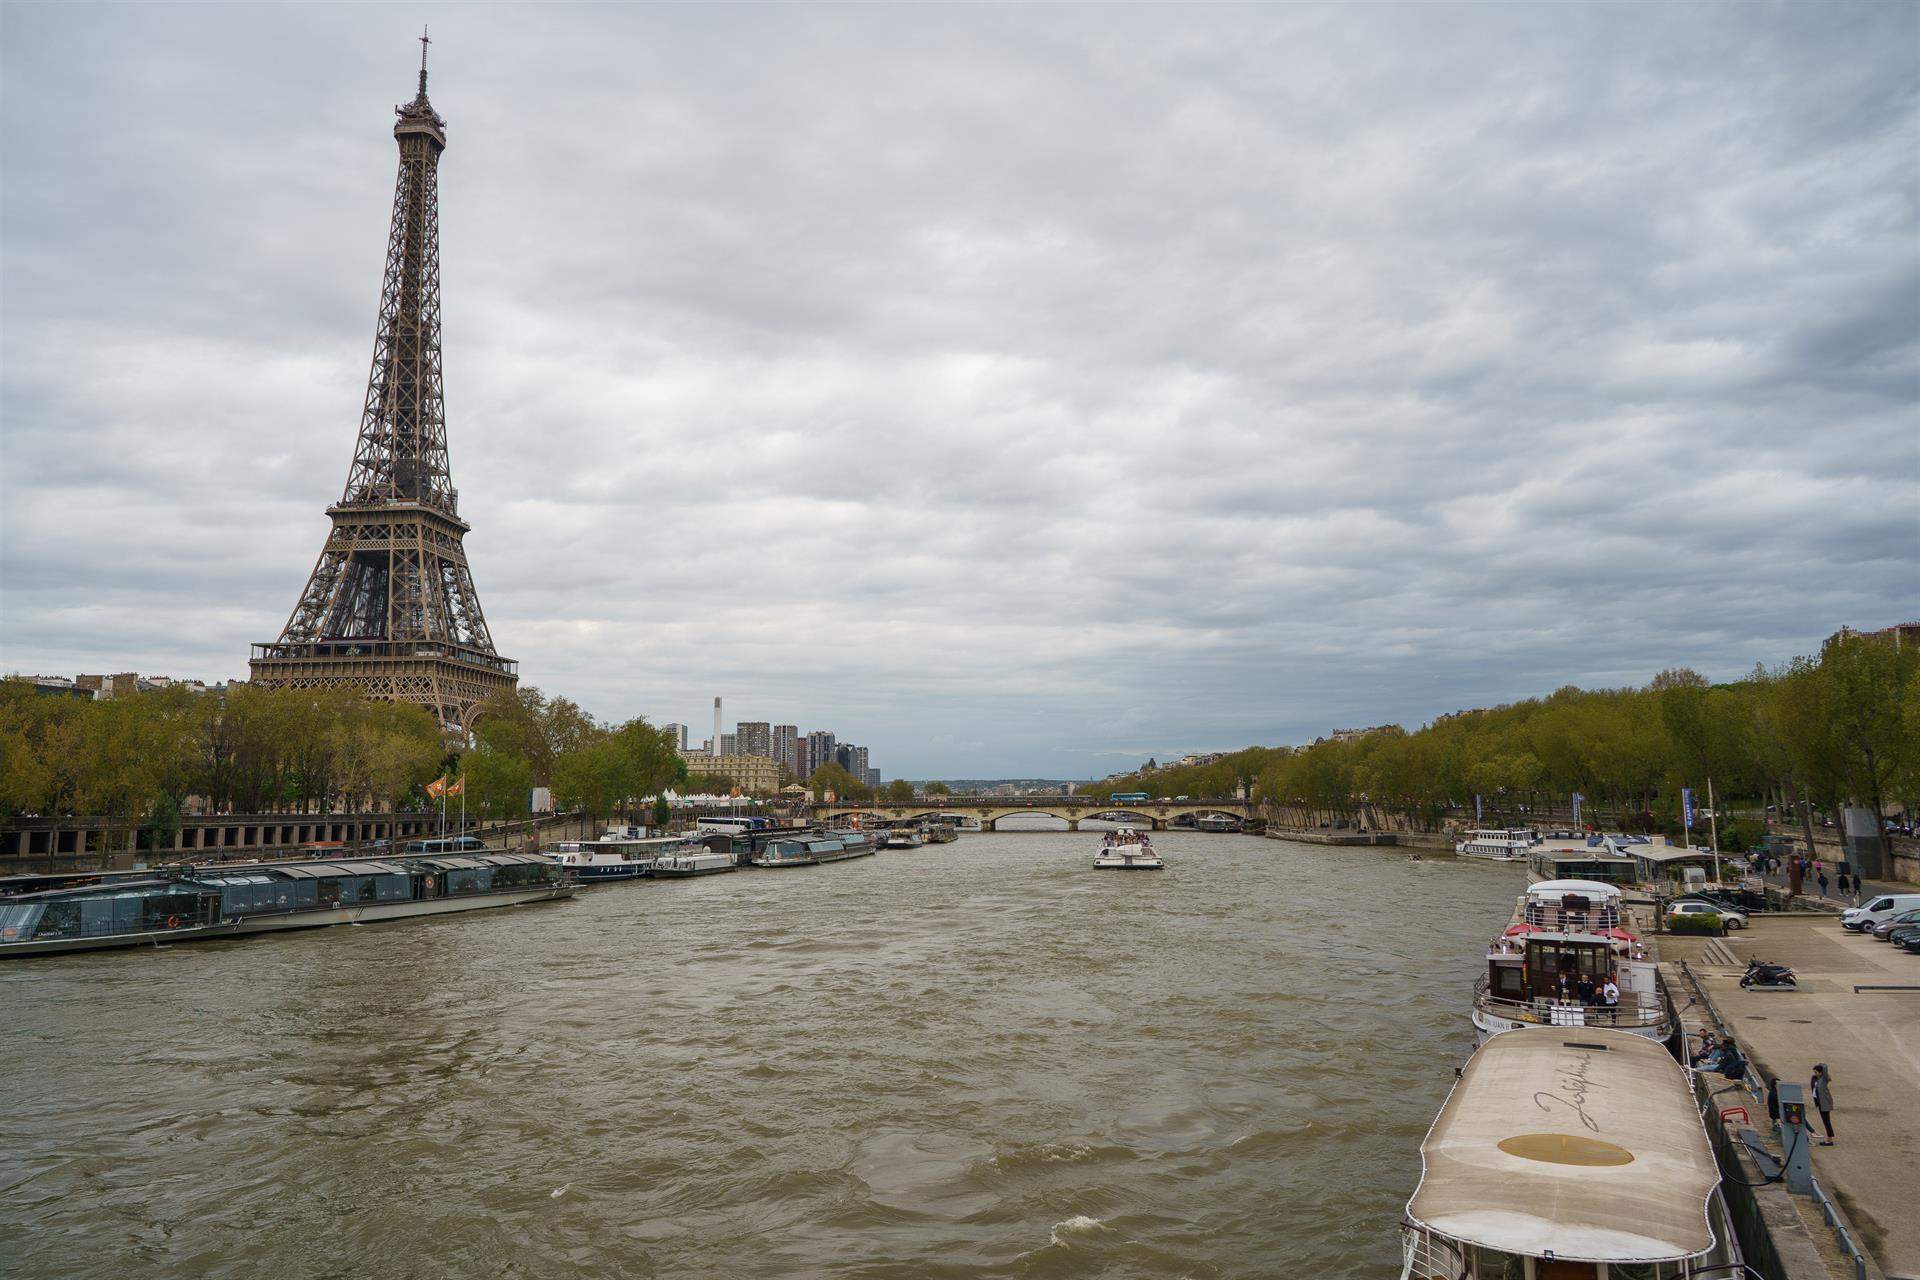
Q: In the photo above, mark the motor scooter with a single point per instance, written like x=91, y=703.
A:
x=1761, y=976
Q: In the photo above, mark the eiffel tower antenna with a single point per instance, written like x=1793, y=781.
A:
x=390, y=607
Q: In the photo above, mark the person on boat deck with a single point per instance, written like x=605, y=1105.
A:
x=1610, y=994
x=1584, y=988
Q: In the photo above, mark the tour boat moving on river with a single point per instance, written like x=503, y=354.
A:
x=902, y=838
x=1551, y=967
x=942, y=833
x=186, y=904
x=1575, y=1155
x=1125, y=849
x=1505, y=844
x=687, y=858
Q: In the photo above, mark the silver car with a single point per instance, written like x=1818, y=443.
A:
x=1732, y=917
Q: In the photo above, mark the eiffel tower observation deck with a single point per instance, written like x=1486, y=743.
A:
x=391, y=607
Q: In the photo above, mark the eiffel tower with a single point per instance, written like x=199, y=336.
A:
x=391, y=608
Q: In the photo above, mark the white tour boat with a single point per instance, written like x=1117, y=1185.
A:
x=1572, y=1155
x=611, y=857
x=1125, y=849
x=1550, y=968
x=902, y=838
x=687, y=858
x=1505, y=844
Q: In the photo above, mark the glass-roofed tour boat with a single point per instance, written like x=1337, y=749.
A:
x=1569, y=1155
x=190, y=903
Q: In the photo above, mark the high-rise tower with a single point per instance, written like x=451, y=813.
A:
x=391, y=607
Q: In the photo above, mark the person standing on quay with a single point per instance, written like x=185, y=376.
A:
x=1821, y=1087
x=1823, y=882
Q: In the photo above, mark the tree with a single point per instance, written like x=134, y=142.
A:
x=938, y=789
x=899, y=791
x=831, y=778
x=499, y=783
x=1866, y=685
x=662, y=813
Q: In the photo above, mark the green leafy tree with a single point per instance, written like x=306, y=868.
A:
x=899, y=791
x=938, y=789
x=832, y=779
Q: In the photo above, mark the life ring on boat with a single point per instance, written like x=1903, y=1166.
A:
x=428, y=882
x=173, y=922
x=8, y=934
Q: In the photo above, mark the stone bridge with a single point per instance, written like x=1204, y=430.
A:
x=1156, y=814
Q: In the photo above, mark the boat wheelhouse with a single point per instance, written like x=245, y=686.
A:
x=611, y=857
x=1497, y=844
x=1125, y=849
x=188, y=903
x=1551, y=967
x=1568, y=1156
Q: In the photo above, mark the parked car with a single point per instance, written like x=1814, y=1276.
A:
x=1869, y=914
x=1731, y=917
x=1886, y=927
x=1911, y=943
x=1902, y=933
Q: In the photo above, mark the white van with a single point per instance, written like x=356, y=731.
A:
x=1871, y=913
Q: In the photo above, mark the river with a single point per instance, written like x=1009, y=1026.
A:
x=981, y=1059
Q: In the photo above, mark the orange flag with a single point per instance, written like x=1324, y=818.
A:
x=459, y=786
x=438, y=787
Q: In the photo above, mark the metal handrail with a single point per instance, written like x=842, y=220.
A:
x=1632, y=1011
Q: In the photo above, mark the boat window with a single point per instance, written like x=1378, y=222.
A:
x=393, y=888
x=62, y=920
x=17, y=920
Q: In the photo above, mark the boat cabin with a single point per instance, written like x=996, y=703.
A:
x=1581, y=859
x=1607, y=1175
x=1552, y=965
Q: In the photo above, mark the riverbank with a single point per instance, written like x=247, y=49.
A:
x=1870, y=1041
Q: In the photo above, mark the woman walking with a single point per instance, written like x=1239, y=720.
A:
x=1822, y=1088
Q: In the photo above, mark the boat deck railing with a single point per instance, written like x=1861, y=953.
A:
x=1426, y=1257
x=1634, y=1010
x=1551, y=915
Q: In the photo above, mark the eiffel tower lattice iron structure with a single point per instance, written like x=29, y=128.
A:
x=391, y=608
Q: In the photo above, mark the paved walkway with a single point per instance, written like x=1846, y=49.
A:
x=1870, y=1042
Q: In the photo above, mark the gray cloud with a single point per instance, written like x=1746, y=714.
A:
x=1009, y=389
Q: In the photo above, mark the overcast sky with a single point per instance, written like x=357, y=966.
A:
x=1016, y=390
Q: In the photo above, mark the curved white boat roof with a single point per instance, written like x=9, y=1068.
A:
x=1585, y=888
x=1584, y=1142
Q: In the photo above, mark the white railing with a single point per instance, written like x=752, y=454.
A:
x=1424, y=1258
x=1634, y=1010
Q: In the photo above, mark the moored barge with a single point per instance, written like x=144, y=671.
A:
x=191, y=904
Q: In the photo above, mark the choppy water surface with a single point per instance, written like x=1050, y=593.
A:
x=983, y=1059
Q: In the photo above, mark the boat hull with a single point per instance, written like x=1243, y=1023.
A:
x=679, y=873
x=595, y=875
x=109, y=942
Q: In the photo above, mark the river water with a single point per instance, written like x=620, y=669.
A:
x=982, y=1059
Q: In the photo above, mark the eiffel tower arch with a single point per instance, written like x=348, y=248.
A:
x=390, y=607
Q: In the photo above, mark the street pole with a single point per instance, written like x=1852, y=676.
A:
x=1713, y=824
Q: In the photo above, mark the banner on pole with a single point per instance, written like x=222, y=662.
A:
x=1686, y=806
x=1476, y=810
x=1577, y=798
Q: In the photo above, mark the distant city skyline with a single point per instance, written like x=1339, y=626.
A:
x=1018, y=392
